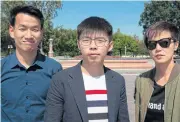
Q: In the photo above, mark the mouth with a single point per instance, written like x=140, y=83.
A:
x=29, y=41
x=158, y=56
x=93, y=54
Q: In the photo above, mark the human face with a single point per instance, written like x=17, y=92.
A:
x=163, y=53
x=95, y=51
x=26, y=32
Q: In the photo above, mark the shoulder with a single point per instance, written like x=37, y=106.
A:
x=51, y=64
x=114, y=73
x=6, y=61
x=145, y=76
x=117, y=76
x=52, y=61
x=147, y=73
x=63, y=74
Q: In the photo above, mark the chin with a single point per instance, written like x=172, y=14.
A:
x=30, y=49
x=95, y=62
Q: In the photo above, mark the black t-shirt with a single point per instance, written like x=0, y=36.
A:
x=155, y=110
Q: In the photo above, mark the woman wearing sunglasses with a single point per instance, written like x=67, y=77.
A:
x=157, y=91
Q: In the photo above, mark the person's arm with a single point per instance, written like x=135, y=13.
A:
x=123, y=115
x=137, y=100
x=54, y=101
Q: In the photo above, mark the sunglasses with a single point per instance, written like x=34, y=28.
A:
x=164, y=43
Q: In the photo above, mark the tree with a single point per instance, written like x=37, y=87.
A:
x=48, y=8
x=142, y=50
x=121, y=41
x=65, y=42
x=160, y=10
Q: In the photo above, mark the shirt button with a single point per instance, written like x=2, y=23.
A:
x=27, y=97
x=26, y=83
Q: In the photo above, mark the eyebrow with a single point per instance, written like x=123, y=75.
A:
x=21, y=25
x=35, y=26
x=90, y=37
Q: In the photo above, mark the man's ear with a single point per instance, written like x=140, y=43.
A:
x=110, y=46
x=11, y=31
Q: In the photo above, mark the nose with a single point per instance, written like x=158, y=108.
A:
x=28, y=34
x=93, y=44
x=158, y=47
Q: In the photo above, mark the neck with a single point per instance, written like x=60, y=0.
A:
x=163, y=72
x=26, y=58
x=92, y=70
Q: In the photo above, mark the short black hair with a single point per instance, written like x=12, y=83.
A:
x=95, y=24
x=30, y=10
x=159, y=27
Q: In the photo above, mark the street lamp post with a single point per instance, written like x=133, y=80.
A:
x=41, y=49
x=9, y=49
x=125, y=50
x=51, y=53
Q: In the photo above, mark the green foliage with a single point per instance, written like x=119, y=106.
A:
x=142, y=50
x=161, y=10
x=65, y=42
x=121, y=41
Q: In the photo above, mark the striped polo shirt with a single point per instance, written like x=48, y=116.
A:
x=96, y=97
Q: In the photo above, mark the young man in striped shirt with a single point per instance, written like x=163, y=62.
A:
x=89, y=92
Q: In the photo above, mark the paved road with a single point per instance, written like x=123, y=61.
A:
x=130, y=91
x=130, y=78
